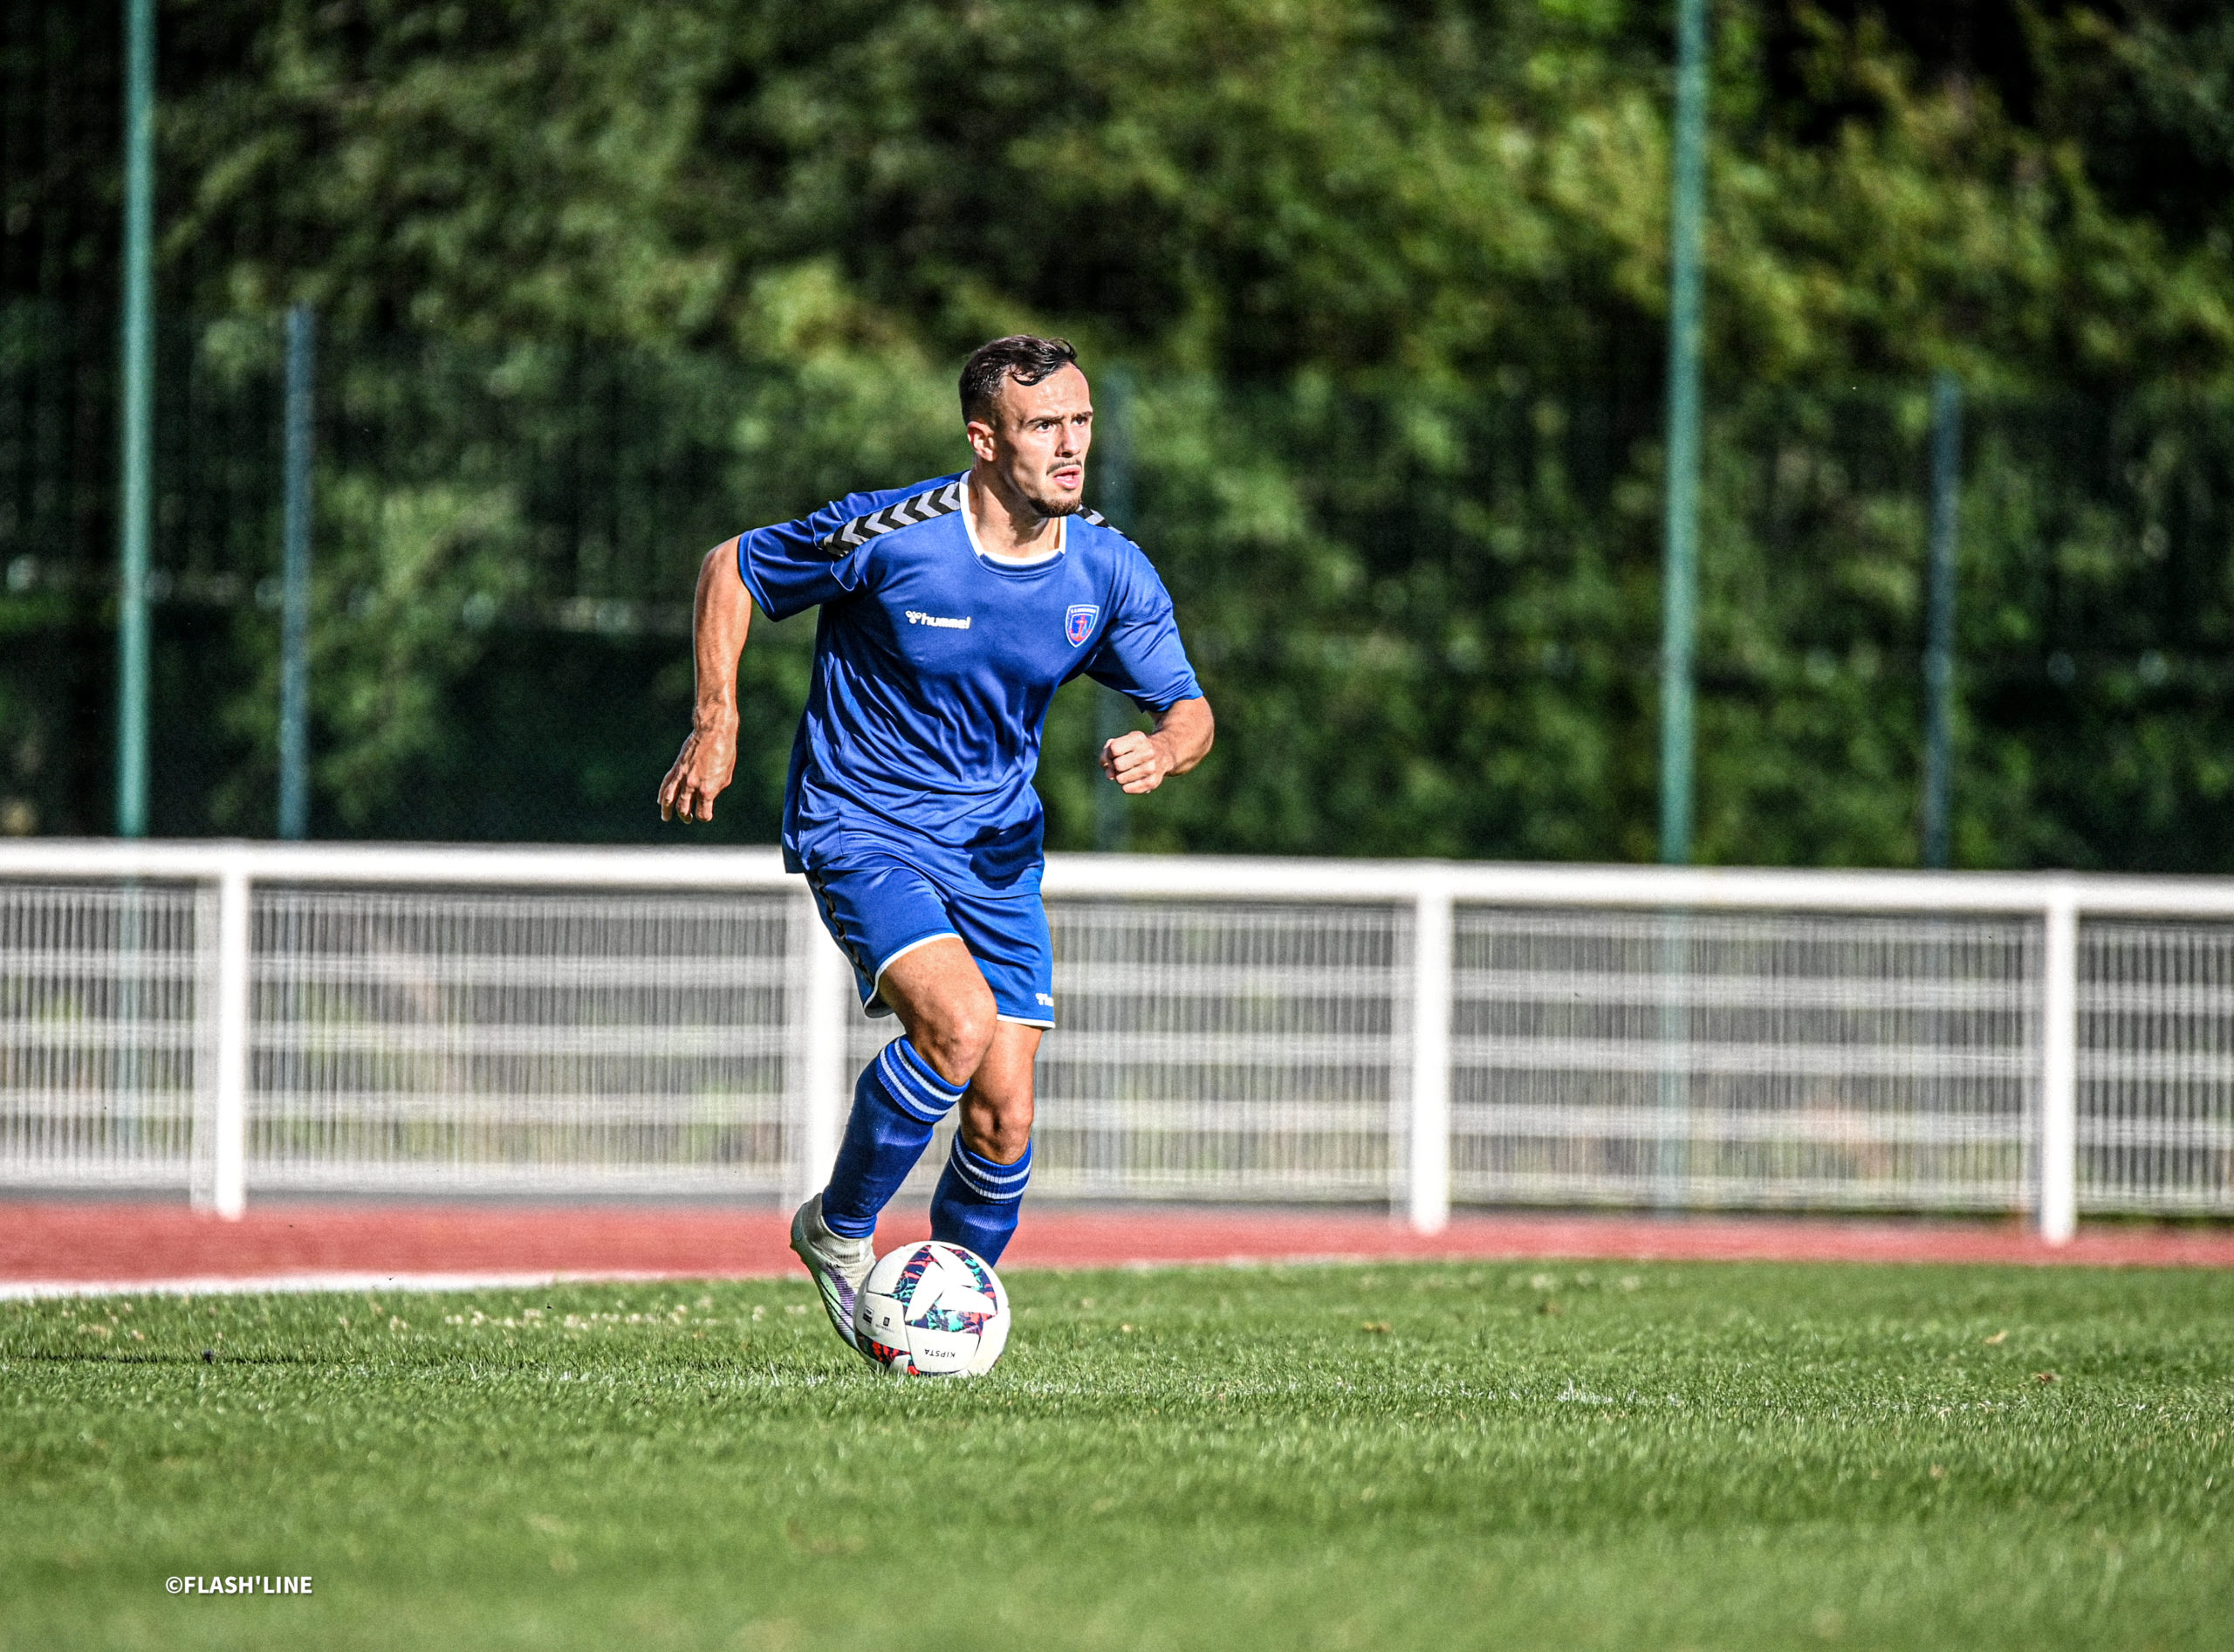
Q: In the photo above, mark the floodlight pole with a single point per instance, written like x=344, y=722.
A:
x=295, y=603
x=1939, y=644
x=1679, y=599
x=137, y=435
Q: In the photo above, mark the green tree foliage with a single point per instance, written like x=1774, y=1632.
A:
x=1390, y=274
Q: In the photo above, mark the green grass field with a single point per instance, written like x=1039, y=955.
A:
x=1467, y=1456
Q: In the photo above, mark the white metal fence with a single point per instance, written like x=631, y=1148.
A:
x=229, y=1017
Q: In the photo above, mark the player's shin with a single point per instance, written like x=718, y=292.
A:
x=896, y=1102
x=977, y=1202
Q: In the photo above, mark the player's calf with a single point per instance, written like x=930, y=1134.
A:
x=978, y=1200
x=981, y=1191
x=897, y=1101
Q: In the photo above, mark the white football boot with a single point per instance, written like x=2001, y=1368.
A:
x=839, y=1265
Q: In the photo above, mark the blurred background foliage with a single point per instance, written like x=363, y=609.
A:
x=600, y=283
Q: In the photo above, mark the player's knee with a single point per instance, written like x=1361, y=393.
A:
x=973, y=1032
x=997, y=1120
x=1006, y=1136
x=959, y=1034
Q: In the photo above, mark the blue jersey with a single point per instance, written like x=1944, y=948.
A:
x=934, y=668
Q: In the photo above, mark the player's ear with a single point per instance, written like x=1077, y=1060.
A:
x=982, y=442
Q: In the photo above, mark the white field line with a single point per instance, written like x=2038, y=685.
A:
x=358, y=1284
x=258, y=1285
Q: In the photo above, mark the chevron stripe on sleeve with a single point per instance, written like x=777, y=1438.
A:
x=849, y=537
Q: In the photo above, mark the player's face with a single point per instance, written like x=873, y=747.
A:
x=1039, y=439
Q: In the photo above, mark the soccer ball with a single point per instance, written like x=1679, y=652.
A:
x=932, y=1310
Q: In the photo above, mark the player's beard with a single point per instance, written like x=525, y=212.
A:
x=1049, y=504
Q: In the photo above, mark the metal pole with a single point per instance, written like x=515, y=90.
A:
x=1939, y=644
x=1679, y=601
x=1427, y=1187
x=1113, y=713
x=137, y=444
x=202, y=1183
x=2059, y=1207
x=1671, y=1178
x=1679, y=588
x=823, y=984
x=295, y=610
x=229, y=1156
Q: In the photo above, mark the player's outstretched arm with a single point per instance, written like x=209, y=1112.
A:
x=721, y=615
x=1139, y=761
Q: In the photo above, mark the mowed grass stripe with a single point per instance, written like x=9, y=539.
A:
x=1418, y=1455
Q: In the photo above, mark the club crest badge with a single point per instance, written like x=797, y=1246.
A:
x=1077, y=622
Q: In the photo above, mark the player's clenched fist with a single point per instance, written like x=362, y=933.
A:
x=1139, y=761
x=1136, y=762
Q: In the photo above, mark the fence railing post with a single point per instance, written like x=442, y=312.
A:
x=1428, y=1185
x=1671, y=1176
x=824, y=985
x=2058, y=1191
x=229, y=1153
x=202, y=1139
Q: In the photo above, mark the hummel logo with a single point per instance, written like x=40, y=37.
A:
x=915, y=617
x=1044, y=999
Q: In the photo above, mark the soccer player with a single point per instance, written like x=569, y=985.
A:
x=952, y=610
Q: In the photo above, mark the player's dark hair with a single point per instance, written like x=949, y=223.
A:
x=1021, y=357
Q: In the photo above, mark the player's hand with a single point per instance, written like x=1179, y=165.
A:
x=1136, y=762
x=701, y=772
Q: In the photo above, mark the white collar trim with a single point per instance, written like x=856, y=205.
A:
x=969, y=527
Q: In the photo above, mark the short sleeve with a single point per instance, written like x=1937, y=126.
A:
x=788, y=571
x=1141, y=654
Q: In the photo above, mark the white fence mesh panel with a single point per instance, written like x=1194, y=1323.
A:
x=1220, y=1050
x=448, y=1038
x=1743, y=1059
x=2156, y=1066
x=99, y=1062
x=1212, y=1045
x=1217, y=1051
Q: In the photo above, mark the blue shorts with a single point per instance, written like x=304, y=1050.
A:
x=878, y=906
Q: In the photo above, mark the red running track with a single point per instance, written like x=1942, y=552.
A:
x=64, y=1244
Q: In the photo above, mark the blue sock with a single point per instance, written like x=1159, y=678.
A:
x=896, y=1102
x=976, y=1205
